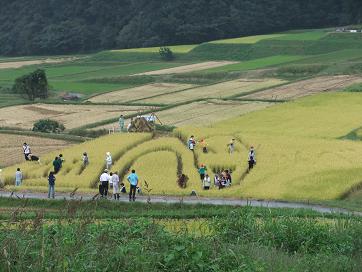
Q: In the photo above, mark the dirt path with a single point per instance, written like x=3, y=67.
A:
x=189, y=68
x=194, y=200
x=19, y=64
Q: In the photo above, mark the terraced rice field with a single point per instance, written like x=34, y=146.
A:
x=220, y=90
x=139, y=93
x=11, y=147
x=189, y=68
x=306, y=87
x=72, y=116
x=203, y=113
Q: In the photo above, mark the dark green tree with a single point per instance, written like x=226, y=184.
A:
x=166, y=53
x=33, y=85
x=48, y=126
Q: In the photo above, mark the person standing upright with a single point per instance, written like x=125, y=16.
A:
x=121, y=123
x=231, y=146
x=51, y=181
x=56, y=165
x=26, y=151
x=251, y=158
x=104, y=182
x=18, y=177
x=109, y=160
x=133, y=181
x=115, y=182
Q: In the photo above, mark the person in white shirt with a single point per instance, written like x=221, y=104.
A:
x=108, y=160
x=104, y=181
x=115, y=182
x=206, y=183
x=26, y=151
x=18, y=177
x=251, y=158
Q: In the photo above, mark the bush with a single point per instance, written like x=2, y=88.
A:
x=48, y=126
x=166, y=53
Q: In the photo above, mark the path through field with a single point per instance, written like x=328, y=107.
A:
x=189, y=68
x=190, y=201
x=19, y=64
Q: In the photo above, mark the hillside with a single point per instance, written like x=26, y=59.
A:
x=70, y=26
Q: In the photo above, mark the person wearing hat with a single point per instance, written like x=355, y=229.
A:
x=108, y=160
x=104, y=181
x=251, y=158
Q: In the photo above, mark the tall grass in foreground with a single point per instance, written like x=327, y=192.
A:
x=243, y=240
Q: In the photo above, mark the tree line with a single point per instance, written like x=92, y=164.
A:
x=39, y=27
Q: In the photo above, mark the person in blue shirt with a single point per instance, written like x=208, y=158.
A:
x=133, y=181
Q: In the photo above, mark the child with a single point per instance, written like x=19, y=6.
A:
x=123, y=188
x=108, y=160
x=206, y=182
x=18, y=177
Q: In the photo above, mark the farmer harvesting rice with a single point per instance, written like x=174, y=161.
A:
x=133, y=181
x=108, y=160
x=26, y=151
x=251, y=158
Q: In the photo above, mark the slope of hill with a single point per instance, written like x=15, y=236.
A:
x=49, y=27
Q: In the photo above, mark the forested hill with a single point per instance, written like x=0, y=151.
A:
x=29, y=27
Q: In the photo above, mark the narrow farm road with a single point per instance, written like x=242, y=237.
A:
x=190, y=200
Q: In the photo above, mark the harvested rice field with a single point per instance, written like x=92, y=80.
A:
x=72, y=116
x=189, y=68
x=11, y=147
x=138, y=93
x=203, y=113
x=220, y=90
x=306, y=87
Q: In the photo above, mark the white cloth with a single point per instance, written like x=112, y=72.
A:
x=26, y=149
x=206, y=182
x=115, y=182
x=104, y=177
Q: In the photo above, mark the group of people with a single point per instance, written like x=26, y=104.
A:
x=111, y=179
x=222, y=179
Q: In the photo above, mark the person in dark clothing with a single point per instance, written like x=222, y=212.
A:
x=56, y=165
x=32, y=157
x=251, y=159
x=51, y=180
